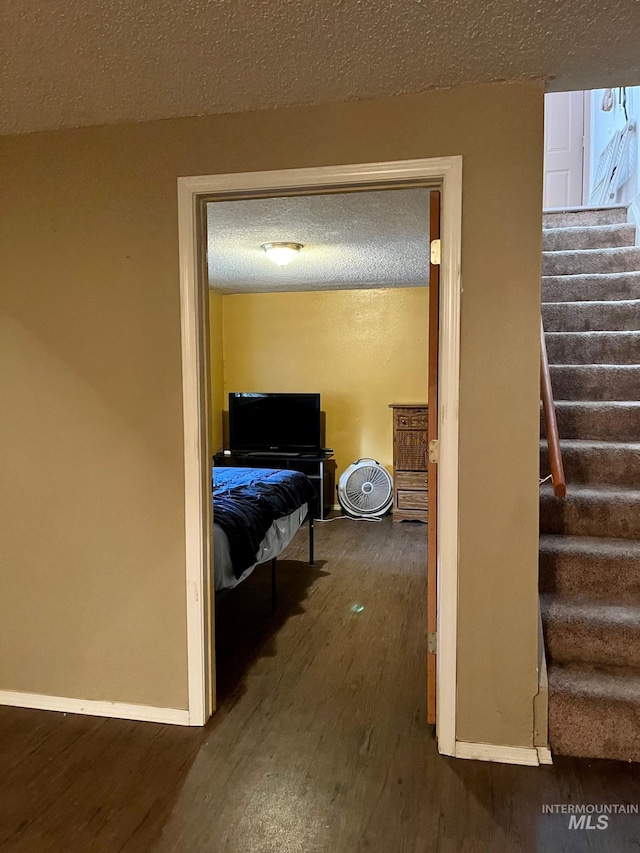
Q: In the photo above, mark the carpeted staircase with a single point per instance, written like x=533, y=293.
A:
x=590, y=541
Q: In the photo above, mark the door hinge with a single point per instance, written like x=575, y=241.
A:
x=434, y=450
x=432, y=643
x=435, y=252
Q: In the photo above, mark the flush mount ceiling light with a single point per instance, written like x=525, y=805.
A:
x=281, y=253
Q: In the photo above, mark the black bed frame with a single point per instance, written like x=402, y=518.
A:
x=274, y=589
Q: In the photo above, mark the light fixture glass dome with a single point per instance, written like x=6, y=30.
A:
x=281, y=253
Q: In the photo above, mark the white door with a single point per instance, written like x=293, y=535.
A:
x=563, y=149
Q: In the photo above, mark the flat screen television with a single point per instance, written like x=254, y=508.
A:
x=284, y=423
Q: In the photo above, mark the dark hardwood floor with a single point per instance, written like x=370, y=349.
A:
x=319, y=744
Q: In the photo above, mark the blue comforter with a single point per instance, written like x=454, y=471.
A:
x=246, y=502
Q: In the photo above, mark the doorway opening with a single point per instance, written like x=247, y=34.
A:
x=591, y=150
x=195, y=195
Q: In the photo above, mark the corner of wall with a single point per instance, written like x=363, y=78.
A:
x=216, y=368
x=541, y=699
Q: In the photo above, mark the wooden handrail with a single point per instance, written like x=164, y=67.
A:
x=553, y=439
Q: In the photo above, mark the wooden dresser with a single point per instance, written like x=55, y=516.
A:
x=410, y=459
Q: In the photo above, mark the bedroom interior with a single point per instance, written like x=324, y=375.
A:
x=346, y=322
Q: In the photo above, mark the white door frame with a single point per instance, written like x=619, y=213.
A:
x=586, y=148
x=443, y=171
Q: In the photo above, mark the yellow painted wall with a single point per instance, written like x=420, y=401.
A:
x=360, y=349
x=92, y=537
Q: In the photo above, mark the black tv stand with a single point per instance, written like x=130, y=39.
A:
x=319, y=468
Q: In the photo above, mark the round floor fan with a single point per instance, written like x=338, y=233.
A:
x=365, y=489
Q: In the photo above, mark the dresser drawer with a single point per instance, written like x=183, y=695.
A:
x=412, y=500
x=410, y=419
x=410, y=451
x=411, y=480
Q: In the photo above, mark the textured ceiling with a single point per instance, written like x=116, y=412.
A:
x=68, y=63
x=351, y=240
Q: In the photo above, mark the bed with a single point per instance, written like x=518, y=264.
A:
x=256, y=513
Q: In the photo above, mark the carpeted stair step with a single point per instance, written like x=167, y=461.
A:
x=609, y=463
x=584, y=261
x=620, y=316
x=588, y=237
x=594, y=711
x=594, y=286
x=586, y=565
x=593, y=347
x=578, y=629
x=591, y=511
x=607, y=421
x=595, y=382
x=585, y=216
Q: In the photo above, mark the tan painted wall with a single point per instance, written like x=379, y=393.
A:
x=91, y=508
x=360, y=349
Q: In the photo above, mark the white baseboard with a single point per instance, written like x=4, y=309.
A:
x=499, y=754
x=94, y=708
x=544, y=755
